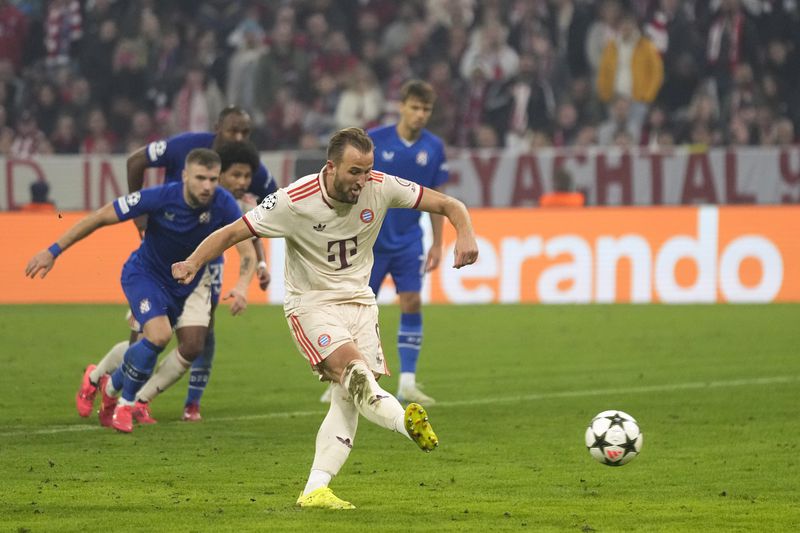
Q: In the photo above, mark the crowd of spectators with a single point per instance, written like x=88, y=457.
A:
x=107, y=76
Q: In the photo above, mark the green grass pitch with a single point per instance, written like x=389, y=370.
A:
x=716, y=390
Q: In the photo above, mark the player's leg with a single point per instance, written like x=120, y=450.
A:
x=335, y=439
x=140, y=359
x=407, y=270
x=84, y=399
x=191, y=329
x=200, y=373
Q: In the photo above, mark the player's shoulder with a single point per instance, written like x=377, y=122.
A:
x=224, y=199
x=432, y=139
x=381, y=132
x=302, y=188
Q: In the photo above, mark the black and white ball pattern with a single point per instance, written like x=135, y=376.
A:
x=614, y=438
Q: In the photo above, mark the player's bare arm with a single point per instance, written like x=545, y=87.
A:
x=247, y=268
x=136, y=166
x=262, y=270
x=43, y=261
x=466, y=249
x=211, y=247
x=435, y=252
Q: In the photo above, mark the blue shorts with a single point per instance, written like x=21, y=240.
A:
x=147, y=296
x=406, y=268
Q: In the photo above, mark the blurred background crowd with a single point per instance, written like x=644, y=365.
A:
x=108, y=76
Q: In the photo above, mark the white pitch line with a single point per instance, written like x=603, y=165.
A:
x=776, y=380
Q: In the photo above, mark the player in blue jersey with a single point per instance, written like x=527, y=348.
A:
x=180, y=216
x=239, y=161
x=408, y=150
x=233, y=125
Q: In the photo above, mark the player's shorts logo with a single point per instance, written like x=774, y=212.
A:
x=269, y=202
x=367, y=216
x=144, y=306
x=324, y=340
x=133, y=198
x=422, y=158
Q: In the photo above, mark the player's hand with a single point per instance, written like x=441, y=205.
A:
x=263, y=277
x=184, y=272
x=239, y=303
x=41, y=262
x=141, y=224
x=466, y=251
x=434, y=258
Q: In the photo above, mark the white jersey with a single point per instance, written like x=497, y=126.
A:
x=329, y=243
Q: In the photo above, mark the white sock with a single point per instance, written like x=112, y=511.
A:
x=171, y=369
x=374, y=403
x=110, y=362
x=316, y=480
x=334, y=439
x=123, y=401
x=110, y=390
x=407, y=380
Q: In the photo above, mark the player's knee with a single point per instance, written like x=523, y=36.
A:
x=410, y=302
x=191, y=349
x=356, y=379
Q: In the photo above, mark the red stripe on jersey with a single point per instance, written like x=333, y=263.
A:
x=306, y=194
x=313, y=355
x=376, y=174
x=377, y=180
x=301, y=188
x=296, y=194
x=247, y=222
x=421, y=188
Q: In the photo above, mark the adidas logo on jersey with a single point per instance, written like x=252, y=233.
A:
x=319, y=227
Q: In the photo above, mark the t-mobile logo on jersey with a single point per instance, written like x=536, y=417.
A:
x=341, y=251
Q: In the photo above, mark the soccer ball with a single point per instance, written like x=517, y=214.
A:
x=614, y=438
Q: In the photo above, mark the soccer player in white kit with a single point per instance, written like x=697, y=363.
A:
x=330, y=221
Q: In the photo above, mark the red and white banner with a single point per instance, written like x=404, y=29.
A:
x=480, y=178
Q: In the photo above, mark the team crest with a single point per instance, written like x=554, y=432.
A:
x=205, y=217
x=422, y=158
x=269, y=202
x=144, y=306
x=367, y=216
x=133, y=198
x=324, y=340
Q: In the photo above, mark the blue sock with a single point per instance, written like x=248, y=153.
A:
x=140, y=360
x=409, y=341
x=201, y=370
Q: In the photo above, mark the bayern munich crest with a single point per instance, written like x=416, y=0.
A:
x=367, y=216
x=324, y=340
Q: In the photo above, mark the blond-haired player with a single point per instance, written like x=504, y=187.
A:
x=330, y=221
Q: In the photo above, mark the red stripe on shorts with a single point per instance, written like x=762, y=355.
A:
x=313, y=355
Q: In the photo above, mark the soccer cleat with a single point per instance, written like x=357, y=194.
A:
x=326, y=396
x=123, y=418
x=413, y=394
x=419, y=429
x=191, y=413
x=107, y=403
x=141, y=413
x=84, y=400
x=323, y=498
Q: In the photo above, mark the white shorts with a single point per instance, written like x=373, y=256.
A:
x=319, y=331
x=196, y=308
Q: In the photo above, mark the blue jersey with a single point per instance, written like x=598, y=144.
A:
x=174, y=229
x=171, y=154
x=422, y=162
